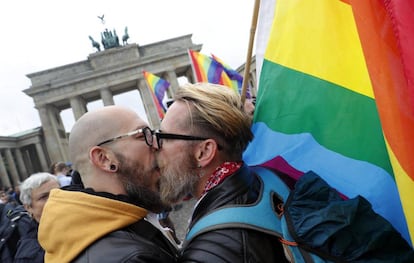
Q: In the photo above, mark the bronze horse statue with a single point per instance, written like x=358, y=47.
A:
x=125, y=37
x=95, y=44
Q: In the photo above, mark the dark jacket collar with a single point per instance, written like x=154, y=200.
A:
x=234, y=189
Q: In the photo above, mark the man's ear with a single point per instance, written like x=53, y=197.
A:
x=102, y=158
x=27, y=207
x=205, y=152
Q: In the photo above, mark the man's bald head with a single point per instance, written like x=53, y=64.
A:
x=96, y=126
x=111, y=149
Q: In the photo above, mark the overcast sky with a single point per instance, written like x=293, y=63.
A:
x=43, y=34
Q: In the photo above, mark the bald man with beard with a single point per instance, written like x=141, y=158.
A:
x=107, y=221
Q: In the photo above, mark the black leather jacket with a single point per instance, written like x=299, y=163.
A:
x=140, y=242
x=232, y=245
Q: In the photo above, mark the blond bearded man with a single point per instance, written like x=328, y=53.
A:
x=199, y=152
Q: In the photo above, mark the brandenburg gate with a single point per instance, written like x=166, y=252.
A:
x=102, y=76
x=115, y=70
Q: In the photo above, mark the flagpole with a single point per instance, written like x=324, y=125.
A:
x=192, y=66
x=249, y=50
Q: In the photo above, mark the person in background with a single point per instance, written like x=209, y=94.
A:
x=199, y=152
x=109, y=220
x=4, y=197
x=7, y=201
x=249, y=106
x=61, y=170
x=16, y=194
x=76, y=179
x=34, y=192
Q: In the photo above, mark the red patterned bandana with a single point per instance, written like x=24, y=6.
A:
x=221, y=173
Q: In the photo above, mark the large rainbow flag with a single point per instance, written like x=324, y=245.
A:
x=336, y=96
x=214, y=70
x=158, y=87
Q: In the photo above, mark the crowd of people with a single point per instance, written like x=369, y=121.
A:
x=106, y=209
x=20, y=213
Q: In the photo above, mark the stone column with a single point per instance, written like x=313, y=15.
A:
x=4, y=177
x=190, y=75
x=42, y=158
x=107, y=97
x=172, y=78
x=20, y=164
x=60, y=132
x=50, y=133
x=12, y=167
x=149, y=105
x=78, y=105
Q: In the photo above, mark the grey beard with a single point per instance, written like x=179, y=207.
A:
x=177, y=183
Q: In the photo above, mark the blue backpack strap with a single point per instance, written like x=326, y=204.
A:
x=258, y=216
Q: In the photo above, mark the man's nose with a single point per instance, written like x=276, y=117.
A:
x=155, y=145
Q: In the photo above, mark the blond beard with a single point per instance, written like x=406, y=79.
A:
x=178, y=180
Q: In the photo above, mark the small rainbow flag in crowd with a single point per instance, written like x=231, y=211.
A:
x=214, y=70
x=336, y=96
x=205, y=68
x=158, y=87
x=230, y=77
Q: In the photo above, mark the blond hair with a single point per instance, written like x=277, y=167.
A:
x=217, y=112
